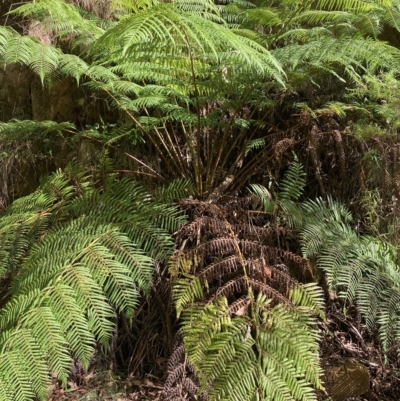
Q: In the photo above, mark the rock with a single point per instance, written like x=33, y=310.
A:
x=349, y=378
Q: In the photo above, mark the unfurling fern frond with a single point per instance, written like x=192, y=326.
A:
x=80, y=256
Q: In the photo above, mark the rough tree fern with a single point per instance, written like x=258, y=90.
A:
x=237, y=299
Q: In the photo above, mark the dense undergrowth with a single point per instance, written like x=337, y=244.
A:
x=235, y=166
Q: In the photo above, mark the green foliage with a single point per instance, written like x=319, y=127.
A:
x=282, y=204
x=183, y=72
x=199, y=83
x=380, y=96
x=253, y=357
x=77, y=254
x=362, y=269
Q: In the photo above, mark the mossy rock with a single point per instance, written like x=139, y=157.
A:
x=348, y=378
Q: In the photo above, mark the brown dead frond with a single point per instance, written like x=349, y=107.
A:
x=181, y=382
x=231, y=250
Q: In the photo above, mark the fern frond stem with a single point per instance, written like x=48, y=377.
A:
x=175, y=145
x=189, y=141
x=242, y=133
x=131, y=172
x=175, y=148
x=166, y=147
x=237, y=246
x=161, y=138
x=248, y=171
x=119, y=150
x=181, y=159
x=215, y=163
x=132, y=117
x=196, y=94
x=239, y=159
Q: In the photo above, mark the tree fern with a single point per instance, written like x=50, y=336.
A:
x=166, y=67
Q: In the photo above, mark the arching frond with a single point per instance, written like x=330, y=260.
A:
x=184, y=35
x=362, y=269
x=59, y=17
x=78, y=263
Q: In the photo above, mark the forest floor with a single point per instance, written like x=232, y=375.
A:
x=344, y=338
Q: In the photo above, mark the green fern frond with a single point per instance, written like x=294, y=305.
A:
x=265, y=196
x=60, y=17
x=73, y=66
x=362, y=269
x=17, y=129
x=255, y=144
x=77, y=266
x=44, y=60
x=20, y=49
x=185, y=32
x=283, y=204
x=293, y=184
x=241, y=357
x=309, y=296
x=177, y=189
x=142, y=219
x=186, y=291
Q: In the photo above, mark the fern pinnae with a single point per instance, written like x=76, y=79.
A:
x=31, y=357
x=292, y=186
x=75, y=274
x=236, y=347
x=186, y=291
x=44, y=60
x=310, y=296
x=73, y=324
x=44, y=326
x=388, y=319
x=16, y=378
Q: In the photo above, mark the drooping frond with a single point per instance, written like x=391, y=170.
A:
x=241, y=357
x=236, y=300
x=77, y=257
x=176, y=190
x=361, y=269
x=168, y=46
x=61, y=18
